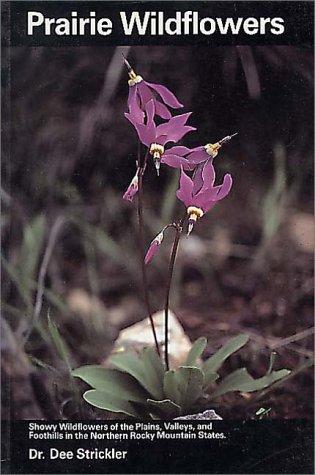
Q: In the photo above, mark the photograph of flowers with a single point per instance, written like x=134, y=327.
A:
x=157, y=233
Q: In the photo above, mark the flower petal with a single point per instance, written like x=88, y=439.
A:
x=174, y=161
x=177, y=133
x=204, y=176
x=197, y=179
x=208, y=198
x=150, y=111
x=162, y=111
x=177, y=121
x=134, y=108
x=198, y=155
x=184, y=193
x=225, y=188
x=178, y=150
x=144, y=93
x=168, y=97
x=146, y=132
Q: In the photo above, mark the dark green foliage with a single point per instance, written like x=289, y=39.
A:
x=139, y=386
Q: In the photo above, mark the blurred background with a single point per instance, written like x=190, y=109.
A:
x=70, y=259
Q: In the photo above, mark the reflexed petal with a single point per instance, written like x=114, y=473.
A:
x=174, y=161
x=204, y=176
x=144, y=93
x=162, y=111
x=146, y=133
x=208, y=173
x=176, y=134
x=162, y=139
x=205, y=200
x=174, y=129
x=134, y=108
x=206, y=205
x=177, y=121
x=184, y=193
x=179, y=150
x=208, y=198
x=197, y=179
x=130, y=118
x=198, y=155
x=168, y=97
x=225, y=188
x=150, y=111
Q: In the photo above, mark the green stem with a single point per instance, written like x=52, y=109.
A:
x=168, y=288
x=141, y=168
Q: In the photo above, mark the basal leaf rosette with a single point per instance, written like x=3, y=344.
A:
x=138, y=386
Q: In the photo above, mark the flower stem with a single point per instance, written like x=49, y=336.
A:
x=179, y=229
x=141, y=168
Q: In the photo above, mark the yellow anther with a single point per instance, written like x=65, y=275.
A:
x=194, y=213
x=156, y=150
x=134, y=78
x=212, y=149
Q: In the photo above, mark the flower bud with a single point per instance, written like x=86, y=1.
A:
x=154, y=247
x=132, y=189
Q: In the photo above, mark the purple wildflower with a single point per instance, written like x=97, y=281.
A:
x=132, y=188
x=154, y=247
x=141, y=92
x=199, y=194
x=176, y=157
x=156, y=136
x=203, y=153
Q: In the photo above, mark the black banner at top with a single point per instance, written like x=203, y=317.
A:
x=75, y=23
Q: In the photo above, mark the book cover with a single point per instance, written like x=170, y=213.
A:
x=157, y=237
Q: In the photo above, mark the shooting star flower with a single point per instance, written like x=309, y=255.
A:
x=141, y=92
x=155, y=137
x=208, y=151
x=199, y=194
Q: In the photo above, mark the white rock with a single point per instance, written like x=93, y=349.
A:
x=139, y=335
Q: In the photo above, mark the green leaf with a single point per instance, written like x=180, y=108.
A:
x=109, y=402
x=37, y=362
x=31, y=247
x=111, y=381
x=214, y=362
x=191, y=380
x=241, y=380
x=135, y=366
x=107, y=245
x=196, y=351
x=154, y=369
x=59, y=343
x=184, y=385
x=166, y=407
x=14, y=274
x=171, y=386
x=210, y=378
